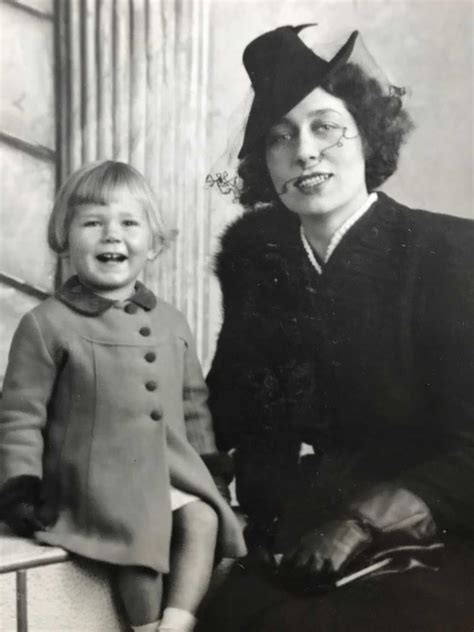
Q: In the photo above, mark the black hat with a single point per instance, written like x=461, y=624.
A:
x=283, y=71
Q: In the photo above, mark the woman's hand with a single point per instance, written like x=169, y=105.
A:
x=223, y=488
x=385, y=515
x=326, y=551
x=221, y=467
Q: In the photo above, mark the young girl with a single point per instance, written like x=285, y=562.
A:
x=104, y=411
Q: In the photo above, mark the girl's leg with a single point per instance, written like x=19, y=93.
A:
x=141, y=591
x=192, y=556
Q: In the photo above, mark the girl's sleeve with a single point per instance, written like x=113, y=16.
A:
x=197, y=416
x=29, y=381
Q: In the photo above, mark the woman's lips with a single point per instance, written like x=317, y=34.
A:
x=311, y=182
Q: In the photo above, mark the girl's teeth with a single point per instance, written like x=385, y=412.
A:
x=110, y=256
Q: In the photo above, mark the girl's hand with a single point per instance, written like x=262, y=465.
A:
x=22, y=520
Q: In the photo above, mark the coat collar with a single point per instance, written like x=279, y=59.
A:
x=83, y=300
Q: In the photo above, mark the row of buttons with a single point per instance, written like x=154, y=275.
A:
x=150, y=356
x=130, y=308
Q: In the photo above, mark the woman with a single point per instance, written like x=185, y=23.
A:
x=342, y=376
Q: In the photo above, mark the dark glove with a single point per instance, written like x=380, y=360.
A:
x=23, y=521
x=324, y=552
x=259, y=537
x=221, y=467
x=387, y=514
x=222, y=488
x=19, y=499
x=394, y=514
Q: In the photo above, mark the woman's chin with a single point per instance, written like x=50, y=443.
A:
x=314, y=205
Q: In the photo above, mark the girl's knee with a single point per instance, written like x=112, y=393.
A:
x=131, y=578
x=198, y=517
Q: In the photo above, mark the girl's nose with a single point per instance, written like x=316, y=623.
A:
x=111, y=232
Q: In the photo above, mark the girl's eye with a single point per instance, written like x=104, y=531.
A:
x=91, y=222
x=131, y=222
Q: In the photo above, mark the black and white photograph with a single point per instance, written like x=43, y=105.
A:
x=236, y=316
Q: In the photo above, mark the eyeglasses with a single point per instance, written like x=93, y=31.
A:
x=332, y=135
x=328, y=134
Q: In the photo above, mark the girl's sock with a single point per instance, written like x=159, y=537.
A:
x=147, y=627
x=177, y=620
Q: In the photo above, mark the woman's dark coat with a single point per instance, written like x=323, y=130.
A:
x=371, y=363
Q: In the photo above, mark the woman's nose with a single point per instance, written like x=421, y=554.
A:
x=307, y=150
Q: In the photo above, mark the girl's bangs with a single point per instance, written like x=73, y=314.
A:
x=99, y=185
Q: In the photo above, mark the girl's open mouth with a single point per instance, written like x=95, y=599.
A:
x=113, y=257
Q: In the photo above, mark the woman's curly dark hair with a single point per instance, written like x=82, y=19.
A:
x=380, y=119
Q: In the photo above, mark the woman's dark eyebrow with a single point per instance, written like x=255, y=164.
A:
x=313, y=113
x=325, y=111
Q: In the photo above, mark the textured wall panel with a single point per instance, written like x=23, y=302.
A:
x=13, y=304
x=27, y=192
x=26, y=76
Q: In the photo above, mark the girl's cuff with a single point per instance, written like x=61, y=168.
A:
x=19, y=489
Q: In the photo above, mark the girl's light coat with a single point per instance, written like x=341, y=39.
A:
x=107, y=405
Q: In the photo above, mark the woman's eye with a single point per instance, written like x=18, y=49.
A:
x=279, y=137
x=327, y=131
x=325, y=127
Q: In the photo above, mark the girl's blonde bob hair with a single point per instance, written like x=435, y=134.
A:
x=95, y=183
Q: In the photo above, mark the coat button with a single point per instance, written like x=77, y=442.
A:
x=150, y=356
x=130, y=308
x=145, y=331
x=151, y=386
x=156, y=415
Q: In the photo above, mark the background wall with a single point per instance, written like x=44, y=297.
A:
x=27, y=157
x=424, y=45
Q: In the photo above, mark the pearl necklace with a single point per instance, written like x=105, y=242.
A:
x=337, y=236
